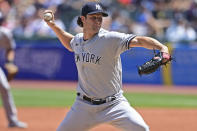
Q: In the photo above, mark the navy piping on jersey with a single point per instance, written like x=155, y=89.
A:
x=129, y=39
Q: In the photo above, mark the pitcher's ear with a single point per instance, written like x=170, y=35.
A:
x=79, y=21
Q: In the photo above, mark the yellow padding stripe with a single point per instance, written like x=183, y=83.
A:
x=166, y=70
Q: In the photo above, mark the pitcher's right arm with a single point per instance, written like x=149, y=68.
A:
x=62, y=35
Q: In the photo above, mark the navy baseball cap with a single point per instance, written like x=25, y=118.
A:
x=93, y=8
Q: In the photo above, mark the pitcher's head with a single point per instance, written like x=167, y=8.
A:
x=91, y=8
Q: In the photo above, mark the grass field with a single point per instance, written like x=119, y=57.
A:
x=61, y=98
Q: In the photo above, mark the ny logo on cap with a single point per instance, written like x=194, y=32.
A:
x=98, y=7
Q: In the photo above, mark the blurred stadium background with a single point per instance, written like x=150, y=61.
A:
x=41, y=58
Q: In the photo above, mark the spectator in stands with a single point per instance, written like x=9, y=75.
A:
x=180, y=31
x=150, y=18
x=192, y=14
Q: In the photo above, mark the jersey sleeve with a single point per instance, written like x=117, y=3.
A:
x=72, y=43
x=120, y=41
x=7, y=40
x=75, y=40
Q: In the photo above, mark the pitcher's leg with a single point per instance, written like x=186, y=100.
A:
x=123, y=116
x=130, y=119
x=79, y=118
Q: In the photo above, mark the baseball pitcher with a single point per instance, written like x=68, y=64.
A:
x=7, y=43
x=97, y=55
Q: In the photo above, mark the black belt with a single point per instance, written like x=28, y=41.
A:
x=97, y=101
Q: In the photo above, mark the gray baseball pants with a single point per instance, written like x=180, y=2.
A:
x=83, y=116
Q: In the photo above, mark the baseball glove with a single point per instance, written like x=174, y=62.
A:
x=11, y=69
x=152, y=65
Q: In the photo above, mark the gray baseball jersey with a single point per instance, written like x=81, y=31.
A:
x=99, y=64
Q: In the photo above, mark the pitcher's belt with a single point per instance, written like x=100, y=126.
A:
x=96, y=101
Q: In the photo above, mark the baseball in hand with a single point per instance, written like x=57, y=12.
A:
x=48, y=16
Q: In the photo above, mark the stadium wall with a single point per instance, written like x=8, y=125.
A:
x=49, y=60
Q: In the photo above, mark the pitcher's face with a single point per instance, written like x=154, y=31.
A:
x=93, y=22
